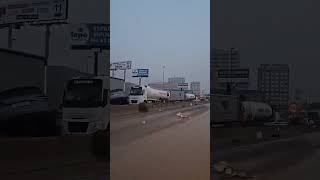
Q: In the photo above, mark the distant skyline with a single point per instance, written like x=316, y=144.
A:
x=272, y=32
x=170, y=33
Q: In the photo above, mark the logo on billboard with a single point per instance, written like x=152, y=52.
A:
x=89, y=36
x=140, y=73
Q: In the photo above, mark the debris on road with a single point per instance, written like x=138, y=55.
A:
x=183, y=115
x=229, y=172
x=144, y=122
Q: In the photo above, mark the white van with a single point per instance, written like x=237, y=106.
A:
x=86, y=106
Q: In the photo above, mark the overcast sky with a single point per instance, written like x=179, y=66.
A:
x=151, y=33
x=156, y=33
x=272, y=31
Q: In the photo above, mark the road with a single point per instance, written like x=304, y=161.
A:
x=54, y=158
x=159, y=145
x=291, y=158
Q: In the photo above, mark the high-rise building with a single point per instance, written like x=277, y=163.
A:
x=195, y=88
x=225, y=69
x=273, y=83
x=225, y=58
x=176, y=80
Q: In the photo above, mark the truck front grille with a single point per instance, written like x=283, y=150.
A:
x=78, y=127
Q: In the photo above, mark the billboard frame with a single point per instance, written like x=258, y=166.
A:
x=40, y=22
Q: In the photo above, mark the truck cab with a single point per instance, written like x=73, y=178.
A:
x=86, y=107
x=137, y=95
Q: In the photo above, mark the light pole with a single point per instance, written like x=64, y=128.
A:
x=163, y=67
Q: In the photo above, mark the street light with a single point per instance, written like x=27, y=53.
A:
x=163, y=67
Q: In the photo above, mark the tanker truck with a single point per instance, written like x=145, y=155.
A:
x=190, y=97
x=147, y=94
x=227, y=109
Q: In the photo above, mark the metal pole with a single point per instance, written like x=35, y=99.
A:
x=96, y=63
x=10, y=37
x=163, y=77
x=124, y=80
x=47, y=49
x=140, y=81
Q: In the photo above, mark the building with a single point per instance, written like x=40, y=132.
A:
x=225, y=58
x=226, y=70
x=273, y=83
x=238, y=78
x=19, y=69
x=195, y=88
x=176, y=80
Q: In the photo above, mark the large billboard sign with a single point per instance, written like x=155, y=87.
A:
x=23, y=11
x=125, y=65
x=140, y=73
x=183, y=85
x=90, y=36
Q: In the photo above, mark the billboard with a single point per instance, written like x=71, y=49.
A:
x=183, y=85
x=125, y=65
x=140, y=73
x=89, y=36
x=21, y=11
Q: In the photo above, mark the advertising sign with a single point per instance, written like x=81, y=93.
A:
x=125, y=65
x=183, y=85
x=89, y=36
x=140, y=73
x=21, y=11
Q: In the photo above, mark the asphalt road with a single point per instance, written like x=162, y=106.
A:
x=291, y=158
x=160, y=145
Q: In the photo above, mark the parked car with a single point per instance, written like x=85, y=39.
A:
x=26, y=109
x=118, y=97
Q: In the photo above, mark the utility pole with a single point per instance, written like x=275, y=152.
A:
x=124, y=79
x=47, y=49
x=163, y=76
x=10, y=36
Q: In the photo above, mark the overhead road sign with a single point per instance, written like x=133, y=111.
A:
x=125, y=65
x=183, y=85
x=30, y=11
x=140, y=73
x=90, y=36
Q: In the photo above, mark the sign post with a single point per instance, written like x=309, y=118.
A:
x=91, y=36
x=140, y=73
x=124, y=65
x=36, y=13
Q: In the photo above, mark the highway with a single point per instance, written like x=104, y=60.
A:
x=294, y=158
x=161, y=145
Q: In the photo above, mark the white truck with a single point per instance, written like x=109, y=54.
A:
x=226, y=109
x=86, y=106
x=190, y=96
x=147, y=94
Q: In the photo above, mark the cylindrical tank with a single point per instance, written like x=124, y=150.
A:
x=190, y=96
x=255, y=111
x=157, y=94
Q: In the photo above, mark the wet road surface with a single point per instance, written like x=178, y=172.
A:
x=162, y=146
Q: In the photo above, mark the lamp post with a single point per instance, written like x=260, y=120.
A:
x=163, y=67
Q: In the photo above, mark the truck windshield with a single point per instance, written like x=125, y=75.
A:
x=83, y=93
x=136, y=91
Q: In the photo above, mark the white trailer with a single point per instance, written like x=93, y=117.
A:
x=86, y=106
x=147, y=94
x=228, y=109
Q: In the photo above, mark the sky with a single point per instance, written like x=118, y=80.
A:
x=170, y=33
x=272, y=31
x=151, y=33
